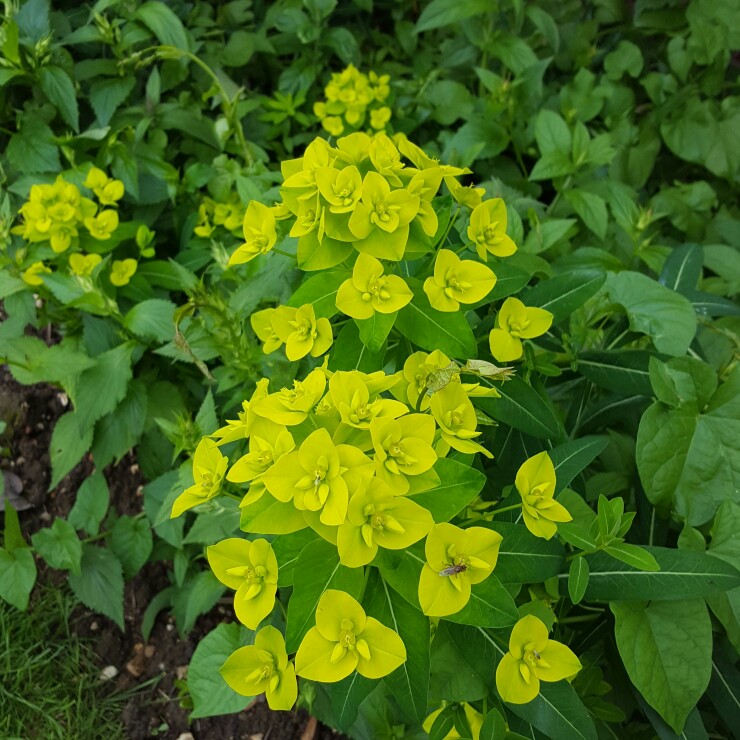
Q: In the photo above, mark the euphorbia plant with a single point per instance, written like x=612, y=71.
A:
x=377, y=494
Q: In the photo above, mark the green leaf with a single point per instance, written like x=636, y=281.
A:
x=131, y=542
x=198, y=595
x=563, y=294
x=509, y=280
x=91, y=504
x=321, y=292
x=288, y=548
x=67, y=447
x=573, y=457
x=349, y=353
x=494, y=725
x=683, y=574
x=316, y=570
x=577, y=579
x=375, y=330
x=459, y=485
x=59, y=546
x=57, y=85
x=524, y=558
x=622, y=371
x=439, y=13
x=17, y=576
x=627, y=57
x=107, y=95
x=33, y=19
x=346, y=697
x=152, y=319
x=665, y=316
x=590, y=208
x=667, y=652
x=490, y=605
x=99, y=585
x=558, y=712
x=12, y=536
x=633, y=555
x=410, y=682
x=682, y=269
x=211, y=695
x=112, y=372
x=524, y=409
x=164, y=24
x=31, y=361
x=431, y=329
x=724, y=688
x=690, y=460
x=552, y=133
x=401, y=570
x=33, y=149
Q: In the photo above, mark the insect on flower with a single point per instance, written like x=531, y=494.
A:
x=453, y=570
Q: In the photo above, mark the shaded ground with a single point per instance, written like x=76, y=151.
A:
x=30, y=413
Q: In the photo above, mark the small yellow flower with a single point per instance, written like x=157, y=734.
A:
x=532, y=658
x=516, y=322
x=456, y=418
x=209, y=467
x=107, y=190
x=380, y=117
x=61, y=236
x=487, y=230
x=122, y=271
x=290, y=406
x=247, y=421
x=370, y=290
x=103, y=225
x=250, y=569
x=32, y=275
x=263, y=667
x=457, y=281
x=535, y=481
x=471, y=196
x=260, y=233
x=83, y=265
x=302, y=333
x=456, y=560
x=333, y=125
x=346, y=639
x=261, y=322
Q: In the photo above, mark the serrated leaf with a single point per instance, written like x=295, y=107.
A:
x=59, y=546
x=131, y=541
x=57, y=85
x=91, y=504
x=17, y=576
x=152, y=319
x=67, y=446
x=99, y=586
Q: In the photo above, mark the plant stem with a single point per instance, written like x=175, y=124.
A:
x=506, y=508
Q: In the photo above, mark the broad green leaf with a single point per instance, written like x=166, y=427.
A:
x=440, y=13
x=17, y=576
x=410, y=682
x=321, y=292
x=59, y=546
x=152, y=319
x=724, y=688
x=627, y=57
x=490, y=605
x=401, y=570
x=288, y=548
x=590, y=208
x=457, y=645
x=552, y=133
x=31, y=361
x=725, y=544
x=349, y=353
x=664, y=315
x=682, y=269
x=524, y=409
x=211, y=695
x=375, y=330
x=99, y=585
x=683, y=574
x=33, y=149
x=12, y=536
x=91, y=504
x=57, y=85
x=459, y=484
x=563, y=294
x=67, y=446
x=577, y=579
x=667, y=652
x=690, y=460
x=683, y=381
x=574, y=457
x=524, y=558
x=633, y=555
x=108, y=94
x=346, y=697
x=431, y=329
x=509, y=280
x=494, y=725
x=316, y=570
x=131, y=542
x=198, y=595
x=33, y=19
x=163, y=23
x=623, y=371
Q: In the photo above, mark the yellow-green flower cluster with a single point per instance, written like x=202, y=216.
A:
x=352, y=98
x=58, y=214
x=212, y=214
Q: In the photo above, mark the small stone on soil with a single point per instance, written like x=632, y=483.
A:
x=108, y=673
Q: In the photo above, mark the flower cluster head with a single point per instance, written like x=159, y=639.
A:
x=535, y=482
x=352, y=98
x=532, y=658
x=209, y=467
x=212, y=214
x=297, y=328
x=62, y=216
x=515, y=322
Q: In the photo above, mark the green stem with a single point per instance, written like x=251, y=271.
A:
x=566, y=184
x=506, y=508
x=583, y=553
x=103, y=535
x=581, y=618
x=285, y=254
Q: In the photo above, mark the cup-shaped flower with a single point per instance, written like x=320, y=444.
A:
x=312, y=479
x=369, y=290
x=535, y=481
x=263, y=668
x=103, y=225
x=457, y=281
x=83, y=265
x=416, y=371
x=251, y=569
x=264, y=450
x=516, y=322
x=303, y=334
x=487, y=230
x=377, y=518
x=121, y=271
x=356, y=405
x=455, y=415
x=403, y=449
x=341, y=189
x=32, y=275
x=290, y=406
x=260, y=233
x=241, y=427
x=209, y=467
x=346, y=639
x=532, y=658
x=456, y=560
x=108, y=191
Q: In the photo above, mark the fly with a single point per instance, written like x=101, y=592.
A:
x=453, y=570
